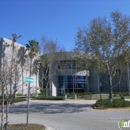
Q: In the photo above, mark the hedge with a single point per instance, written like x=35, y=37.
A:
x=14, y=100
x=105, y=103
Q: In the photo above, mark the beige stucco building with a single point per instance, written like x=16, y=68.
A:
x=7, y=54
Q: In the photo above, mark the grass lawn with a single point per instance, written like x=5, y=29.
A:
x=25, y=127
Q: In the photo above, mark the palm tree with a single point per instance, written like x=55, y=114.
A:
x=32, y=49
x=35, y=71
x=14, y=39
x=21, y=60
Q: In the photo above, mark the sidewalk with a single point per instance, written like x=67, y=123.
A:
x=67, y=101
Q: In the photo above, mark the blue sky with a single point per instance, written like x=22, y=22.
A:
x=56, y=19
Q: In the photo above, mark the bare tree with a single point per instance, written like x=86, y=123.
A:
x=5, y=82
x=10, y=73
x=52, y=54
x=14, y=39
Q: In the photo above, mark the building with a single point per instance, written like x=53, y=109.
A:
x=18, y=75
x=68, y=78
x=63, y=76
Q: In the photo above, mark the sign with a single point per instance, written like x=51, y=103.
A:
x=29, y=80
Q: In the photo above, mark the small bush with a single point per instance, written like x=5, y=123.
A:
x=14, y=100
x=105, y=103
x=32, y=95
x=19, y=94
x=42, y=91
x=48, y=98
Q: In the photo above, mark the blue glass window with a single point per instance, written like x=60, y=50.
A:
x=72, y=82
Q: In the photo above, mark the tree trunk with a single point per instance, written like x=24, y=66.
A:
x=7, y=109
x=11, y=69
x=110, y=83
x=110, y=88
x=47, y=88
x=119, y=90
x=14, y=87
x=7, y=112
x=2, y=107
x=36, y=84
x=11, y=82
x=22, y=80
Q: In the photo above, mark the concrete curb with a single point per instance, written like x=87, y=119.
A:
x=119, y=108
x=49, y=128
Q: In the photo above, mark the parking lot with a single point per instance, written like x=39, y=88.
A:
x=68, y=115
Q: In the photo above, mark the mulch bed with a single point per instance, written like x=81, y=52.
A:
x=25, y=127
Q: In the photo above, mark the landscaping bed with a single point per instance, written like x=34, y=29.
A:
x=117, y=103
x=25, y=127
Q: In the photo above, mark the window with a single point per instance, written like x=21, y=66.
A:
x=66, y=64
x=70, y=83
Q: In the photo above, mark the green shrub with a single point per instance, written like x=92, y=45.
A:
x=32, y=95
x=14, y=100
x=48, y=98
x=19, y=94
x=10, y=96
x=105, y=103
x=7, y=96
x=70, y=95
x=42, y=91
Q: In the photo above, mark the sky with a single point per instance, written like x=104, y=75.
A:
x=58, y=20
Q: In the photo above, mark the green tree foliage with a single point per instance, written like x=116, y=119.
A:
x=33, y=48
x=107, y=41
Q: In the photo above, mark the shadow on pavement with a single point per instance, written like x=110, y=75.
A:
x=48, y=108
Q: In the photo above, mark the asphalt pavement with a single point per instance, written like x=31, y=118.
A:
x=67, y=115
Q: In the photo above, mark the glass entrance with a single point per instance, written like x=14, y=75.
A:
x=73, y=83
